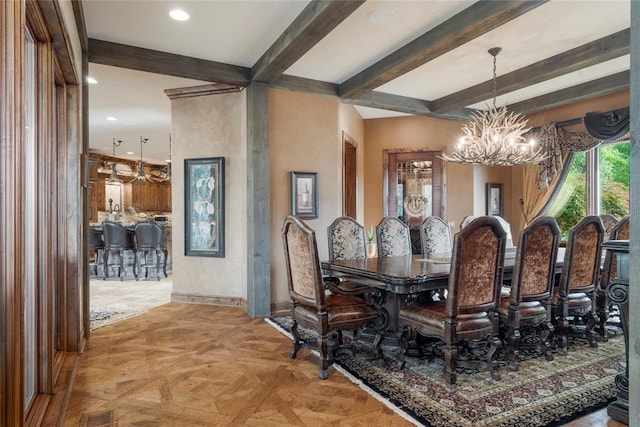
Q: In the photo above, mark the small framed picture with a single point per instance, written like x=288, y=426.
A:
x=494, y=199
x=304, y=194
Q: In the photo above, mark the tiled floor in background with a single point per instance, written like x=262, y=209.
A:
x=129, y=295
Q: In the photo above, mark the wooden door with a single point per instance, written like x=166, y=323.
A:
x=349, y=176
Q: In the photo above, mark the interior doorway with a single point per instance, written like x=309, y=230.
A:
x=413, y=188
x=349, y=176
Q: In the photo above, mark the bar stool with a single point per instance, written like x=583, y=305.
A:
x=96, y=244
x=151, y=237
x=117, y=240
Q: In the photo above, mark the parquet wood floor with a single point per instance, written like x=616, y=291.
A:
x=198, y=365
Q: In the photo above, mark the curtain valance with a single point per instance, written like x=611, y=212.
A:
x=608, y=126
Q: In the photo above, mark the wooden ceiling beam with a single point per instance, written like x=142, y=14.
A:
x=596, y=52
x=476, y=20
x=154, y=61
x=317, y=20
x=595, y=88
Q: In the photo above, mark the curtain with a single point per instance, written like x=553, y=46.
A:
x=608, y=126
x=535, y=199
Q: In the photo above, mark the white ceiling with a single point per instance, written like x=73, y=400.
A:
x=239, y=32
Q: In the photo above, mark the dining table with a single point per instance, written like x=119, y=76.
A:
x=403, y=279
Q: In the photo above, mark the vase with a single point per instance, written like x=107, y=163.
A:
x=371, y=250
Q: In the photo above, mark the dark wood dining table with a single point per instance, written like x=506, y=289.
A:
x=402, y=278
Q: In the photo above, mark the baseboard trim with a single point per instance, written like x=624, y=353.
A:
x=208, y=300
x=280, y=308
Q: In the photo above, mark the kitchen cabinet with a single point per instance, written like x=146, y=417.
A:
x=151, y=196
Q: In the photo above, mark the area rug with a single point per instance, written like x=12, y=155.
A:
x=100, y=318
x=541, y=393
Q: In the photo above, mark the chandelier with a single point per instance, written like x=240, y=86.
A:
x=140, y=176
x=113, y=177
x=495, y=137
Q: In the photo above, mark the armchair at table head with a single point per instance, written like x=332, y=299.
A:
x=151, y=238
x=469, y=315
x=435, y=237
x=576, y=291
x=394, y=237
x=620, y=231
x=346, y=239
x=117, y=239
x=311, y=305
x=526, y=311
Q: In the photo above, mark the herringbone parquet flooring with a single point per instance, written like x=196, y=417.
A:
x=198, y=365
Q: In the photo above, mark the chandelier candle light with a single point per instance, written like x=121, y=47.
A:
x=114, y=173
x=141, y=176
x=495, y=137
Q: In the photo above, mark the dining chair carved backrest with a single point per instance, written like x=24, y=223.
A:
x=117, y=240
x=435, y=238
x=575, y=293
x=151, y=238
x=525, y=314
x=394, y=237
x=620, y=231
x=505, y=225
x=608, y=221
x=469, y=314
x=346, y=239
x=311, y=306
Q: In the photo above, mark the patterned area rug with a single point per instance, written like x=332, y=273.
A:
x=102, y=318
x=541, y=393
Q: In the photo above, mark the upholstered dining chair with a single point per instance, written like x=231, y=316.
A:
x=346, y=239
x=151, y=238
x=469, y=314
x=608, y=221
x=311, y=305
x=526, y=311
x=394, y=237
x=507, y=227
x=620, y=231
x=96, y=244
x=435, y=237
x=575, y=295
x=117, y=240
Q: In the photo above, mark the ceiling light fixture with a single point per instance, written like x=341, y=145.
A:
x=140, y=176
x=111, y=119
x=179, y=15
x=495, y=137
x=113, y=177
x=91, y=80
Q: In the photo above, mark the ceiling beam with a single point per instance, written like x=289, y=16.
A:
x=476, y=20
x=154, y=61
x=317, y=20
x=599, y=87
x=596, y=52
x=403, y=104
x=384, y=101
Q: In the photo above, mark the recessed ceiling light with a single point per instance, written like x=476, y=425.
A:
x=168, y=160
x=381, y=16
x=91, y=80
x=130, y=152
x=179, y=15
x=111, y=119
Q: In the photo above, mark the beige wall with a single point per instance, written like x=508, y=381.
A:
x=211, y=126
x=304, y=136
x=414, y=132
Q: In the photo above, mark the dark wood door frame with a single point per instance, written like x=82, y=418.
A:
x=349, y=176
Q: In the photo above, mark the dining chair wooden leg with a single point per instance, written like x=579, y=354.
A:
x=450, y=359
x=323, y=348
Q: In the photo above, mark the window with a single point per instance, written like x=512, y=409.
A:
x=597, y=183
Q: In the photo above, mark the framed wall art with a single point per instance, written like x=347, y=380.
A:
x=494, y=199
x=204, y=207
x=304, y=194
